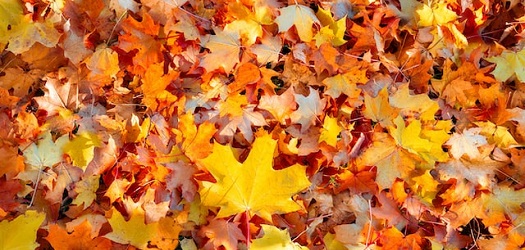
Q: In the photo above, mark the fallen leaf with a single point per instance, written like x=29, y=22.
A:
x=241, y=187
x=80, y=237
x=466, y=143
x=222, y=233
x=509, y=64
x=309, y=108
x=81, y=148
x=133, y=231
x=224, y=44
x=299, y=16
x=330, y=131
x=22, y=231
x=275, y=238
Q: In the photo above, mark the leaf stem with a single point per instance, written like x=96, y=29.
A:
x=247, y=228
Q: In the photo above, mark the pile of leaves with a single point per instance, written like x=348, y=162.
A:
x=214, y=124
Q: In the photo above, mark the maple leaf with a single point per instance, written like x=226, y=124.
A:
x=81, y=148
x=80, y=237
x=249, y=30
x=141, y=36
x=345, y=84
x=47, y=153
x=280, y=106
x=19, y=80
x=413, y=105
x=309, y=108
x=196, y=143
x=116, y=190
x=167, y=233
x=134, y=231
x=180, y=176
x=59, y=96
x=243, y=123
x=413, y=138
x=425, y=186
x=275, y=238
x=408, y=9
x=438, y=14
x=479, y=172
x=154, y=86
x=242, y=187
x=503, y=201
x=86, y=190
x=269, y=49
x=13, y=163
x=332, y=31
x=9, y=189
x=361, y=182
x=224, y=44
x=222, y=233
x=21, y=231
x=299, y=16
x=24, y=33
x=154, y=210
x=466, y=143
x=509, y=63
x=103, y=62
x=103, y=158
x=325, y=59
x=496, y=134
x=73, y=46
x=332, y=243
x=330, y=131
x=378, y=109
x=391, y=162
x=460, y=92
x=392, y=238
x=7, y=100
x=389, y=211
x=12, y=13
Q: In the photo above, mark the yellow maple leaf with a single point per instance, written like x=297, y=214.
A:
x=86, y=190
x=332, y=31
x=436, y=14
x=378, y=109
x=509, y=63
x=26, y=33
x=330, y=131
x=167, y=236
x=233, y=105
x=407, y=11
x=46, y=153
x=134, y=231
x=244, y=186
x=332, y=243
x=345, y=84
x=81, y=148
x=12, y=14
x=274, y=238
x=20, y=233
x=414, y=105
x=299, y=16
x=424, y=143
x=248, y=30
x=504, y=202
x=391, y=160
x=426, y=187
x=499, y=135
